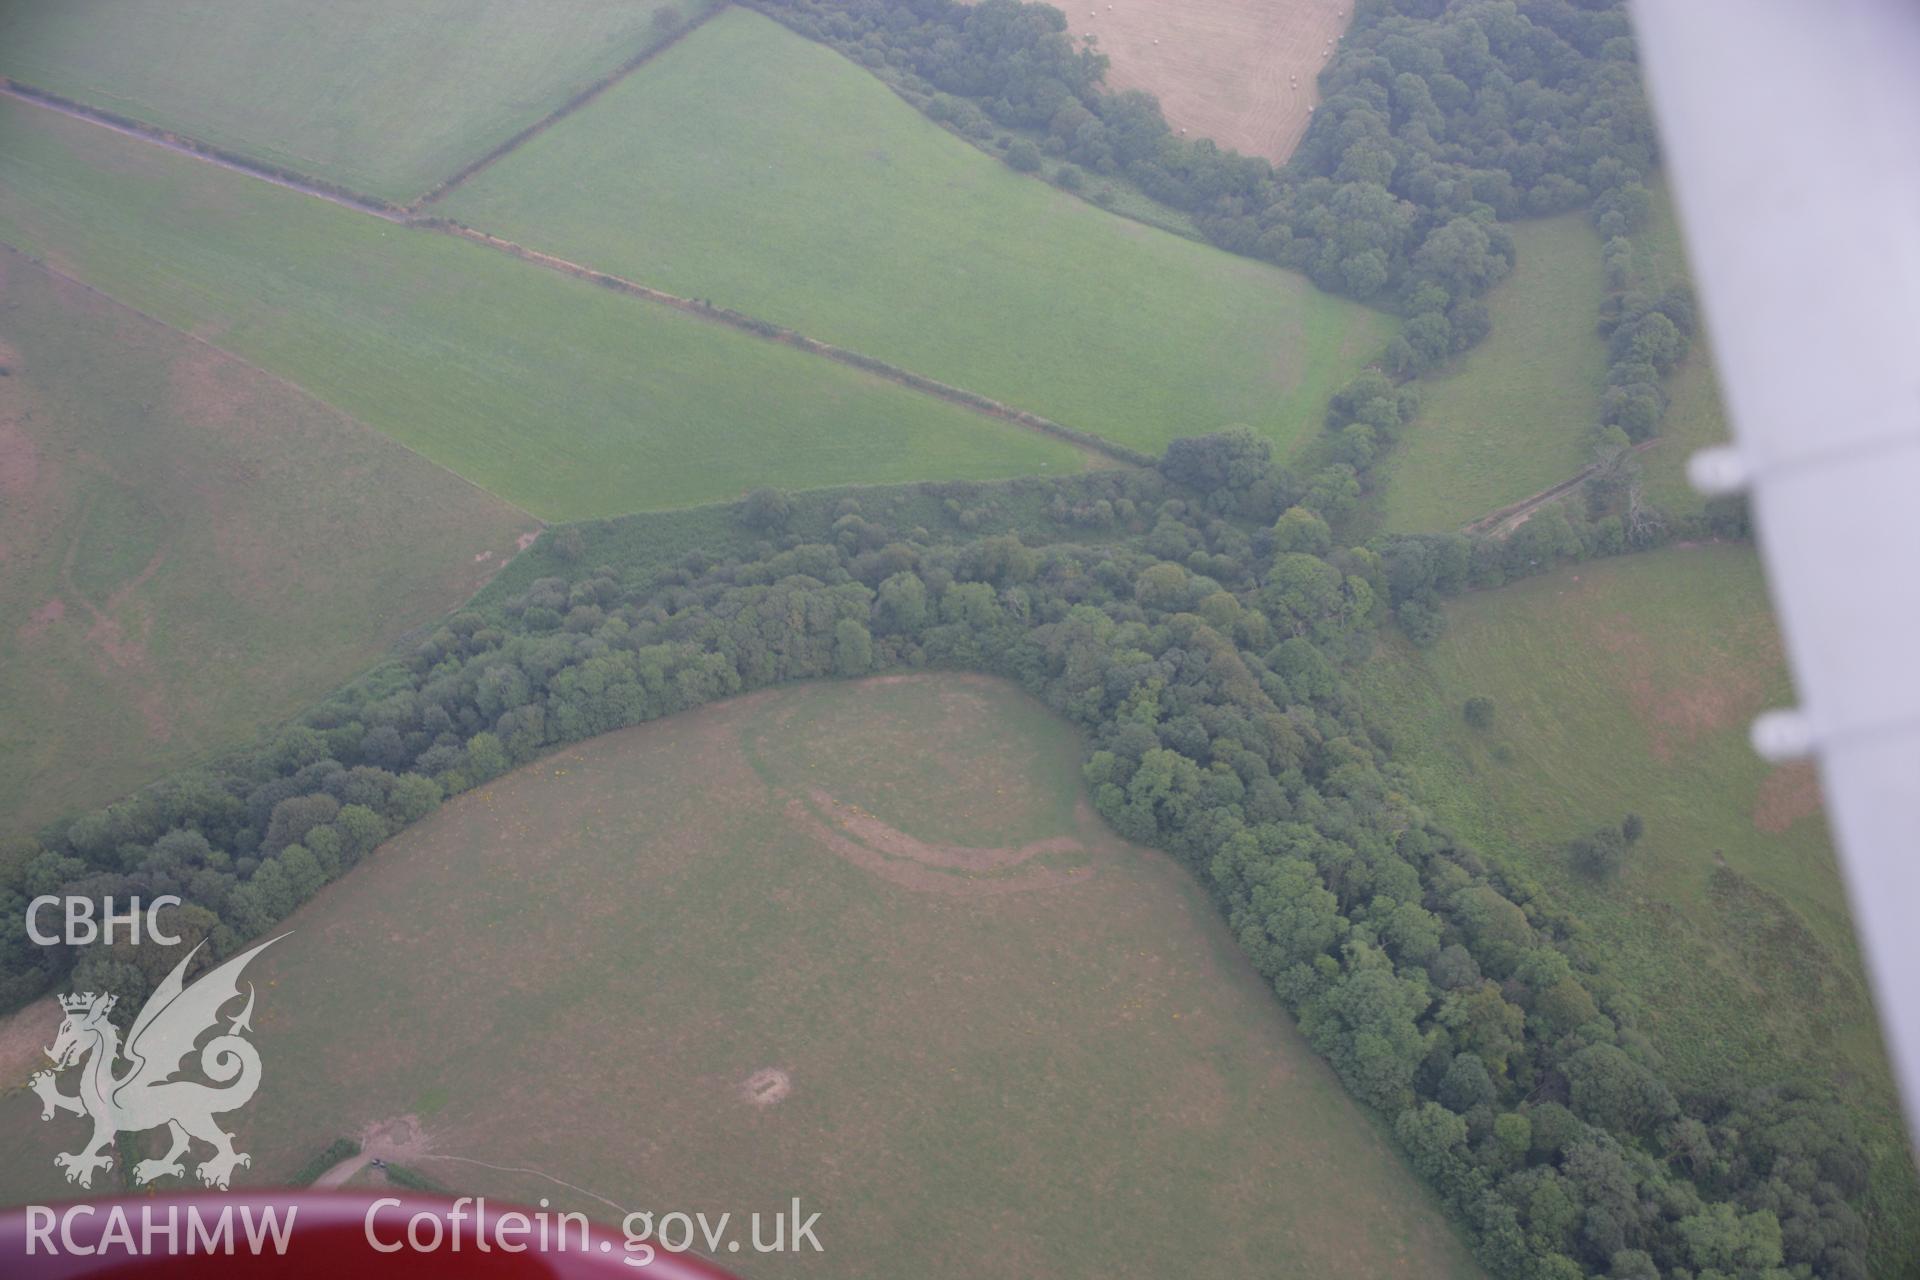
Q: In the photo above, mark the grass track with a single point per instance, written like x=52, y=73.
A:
x=575, y=968
x=1515, y=414
x=566, y=399
x=379, y=97
x=762, y=171
x=190, y=549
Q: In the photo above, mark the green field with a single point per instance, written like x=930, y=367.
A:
x=560, y=396
x=765, y=172
x=387, y=99
x=1516, y=414
x=1696, y=418
x=1065, y=1060
x=1627, y=686
x=189, y=548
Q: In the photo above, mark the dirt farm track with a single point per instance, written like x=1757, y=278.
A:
x=1238, y=71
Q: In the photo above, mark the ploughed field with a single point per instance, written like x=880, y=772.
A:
x=1241, y=72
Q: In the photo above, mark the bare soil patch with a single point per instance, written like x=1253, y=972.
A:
x=42, y=618
x=1678, y=708
x=1789, y=794
x=1241, y=72
x=402, y=1138
x=766, y=1087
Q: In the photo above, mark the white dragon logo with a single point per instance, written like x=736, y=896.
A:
x=147, y=1096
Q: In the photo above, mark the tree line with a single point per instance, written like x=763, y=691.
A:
x=1195, y=621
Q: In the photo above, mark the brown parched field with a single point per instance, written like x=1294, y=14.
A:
x=1238, y=71
x=860, y=943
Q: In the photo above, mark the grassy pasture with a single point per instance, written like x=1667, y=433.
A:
x=1066, y=1061
x=1627, y=686
x=382, y=98
x=1696, y=418
x=765, y=172
x=1515, y=414
x=561, y=396
x=190, y=548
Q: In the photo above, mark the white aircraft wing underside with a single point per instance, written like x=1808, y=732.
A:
x=1793, y=131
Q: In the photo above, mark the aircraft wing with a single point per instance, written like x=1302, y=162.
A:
x=1793, y=131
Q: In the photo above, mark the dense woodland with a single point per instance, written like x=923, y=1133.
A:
x=1195, y=622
